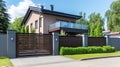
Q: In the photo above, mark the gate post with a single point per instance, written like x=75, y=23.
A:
x=85, y=40
x=107, y=40
x=11, y=43
x=55, y=43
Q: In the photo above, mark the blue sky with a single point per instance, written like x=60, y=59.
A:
x=17, y=8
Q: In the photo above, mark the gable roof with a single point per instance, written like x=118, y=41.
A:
x=45, y=11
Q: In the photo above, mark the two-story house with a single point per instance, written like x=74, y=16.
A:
x=45, y=21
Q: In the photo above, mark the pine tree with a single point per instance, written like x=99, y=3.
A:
x=4, y=17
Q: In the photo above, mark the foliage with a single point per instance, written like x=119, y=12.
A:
x=95, y=25
x=62, y=33
x=82, y=20
x=27, y=29
x=16, y=25
x=4, y=17
x=86, y=50
x=113, y=16
x=5, y=61
x=23, y=29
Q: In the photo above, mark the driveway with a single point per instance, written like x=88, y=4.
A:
x=61, y=61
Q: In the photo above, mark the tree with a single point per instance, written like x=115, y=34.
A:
x=23, y=29
x=4, y=17
x=113, y=16
x=16, y=25
x=82, y=20
x=95, y=25
x=27, y=29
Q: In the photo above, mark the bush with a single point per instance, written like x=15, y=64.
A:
x=86, y=50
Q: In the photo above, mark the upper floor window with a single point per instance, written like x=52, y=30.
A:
x=36, y=24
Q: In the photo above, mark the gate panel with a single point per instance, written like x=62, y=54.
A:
x=33, y=44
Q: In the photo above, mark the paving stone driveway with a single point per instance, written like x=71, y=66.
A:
x=61, y=61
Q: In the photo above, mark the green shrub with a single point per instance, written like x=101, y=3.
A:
x=86, y=50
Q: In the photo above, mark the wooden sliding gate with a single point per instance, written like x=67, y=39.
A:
x=33, y=44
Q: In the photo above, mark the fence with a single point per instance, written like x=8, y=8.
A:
x=12, y=44
x=96, y=41
x=8, y=44
x=3, y=44
x=75, y=41
x=33, y=44
x=114, y=42
x=70, y=41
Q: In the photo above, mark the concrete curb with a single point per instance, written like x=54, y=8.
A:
x=97, y=58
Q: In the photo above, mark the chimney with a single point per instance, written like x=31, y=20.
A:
x=52, y=7
x=42, y=7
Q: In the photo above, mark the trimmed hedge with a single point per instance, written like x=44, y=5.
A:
x=86, y=50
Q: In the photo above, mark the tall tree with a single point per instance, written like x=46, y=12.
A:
x=4, y=17
x=82, y=20
x=113, y=16
x=16, y=25
x=95, y=25
x=23, y=29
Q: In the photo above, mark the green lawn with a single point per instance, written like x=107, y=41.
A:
x=97, y=55
x=5, y=61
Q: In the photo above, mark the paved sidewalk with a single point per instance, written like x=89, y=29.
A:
x=40, y=61
x=61, y=61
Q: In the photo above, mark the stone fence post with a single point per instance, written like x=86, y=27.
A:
x=107, y=40
x=11, y=43
x=55, y=43
x=85, y=40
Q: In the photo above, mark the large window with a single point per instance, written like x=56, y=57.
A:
x=36, y=24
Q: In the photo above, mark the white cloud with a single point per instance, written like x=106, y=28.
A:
x=20, y=9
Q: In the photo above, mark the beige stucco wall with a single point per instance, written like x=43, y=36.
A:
x=50, y=19
x=46, y=20
x=32, y=18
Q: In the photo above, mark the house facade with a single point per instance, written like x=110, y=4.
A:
x=45, y=21
x=111, y=34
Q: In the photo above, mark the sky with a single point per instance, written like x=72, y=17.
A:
x=18, y=8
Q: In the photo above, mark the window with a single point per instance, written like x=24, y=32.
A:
x=31, y=25
x=39, y=22
x=36, y=24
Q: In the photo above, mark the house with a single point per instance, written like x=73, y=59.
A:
x=112, y=34
x=45, y=21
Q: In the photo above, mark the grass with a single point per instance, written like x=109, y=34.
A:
x=96, y=55
x=5, y=61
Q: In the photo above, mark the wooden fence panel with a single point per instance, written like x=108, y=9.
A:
x=33, y=44
x=96, y=41
x=75, y=41
x=70, y=41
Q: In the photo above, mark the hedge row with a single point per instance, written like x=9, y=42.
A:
x=86, y=50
